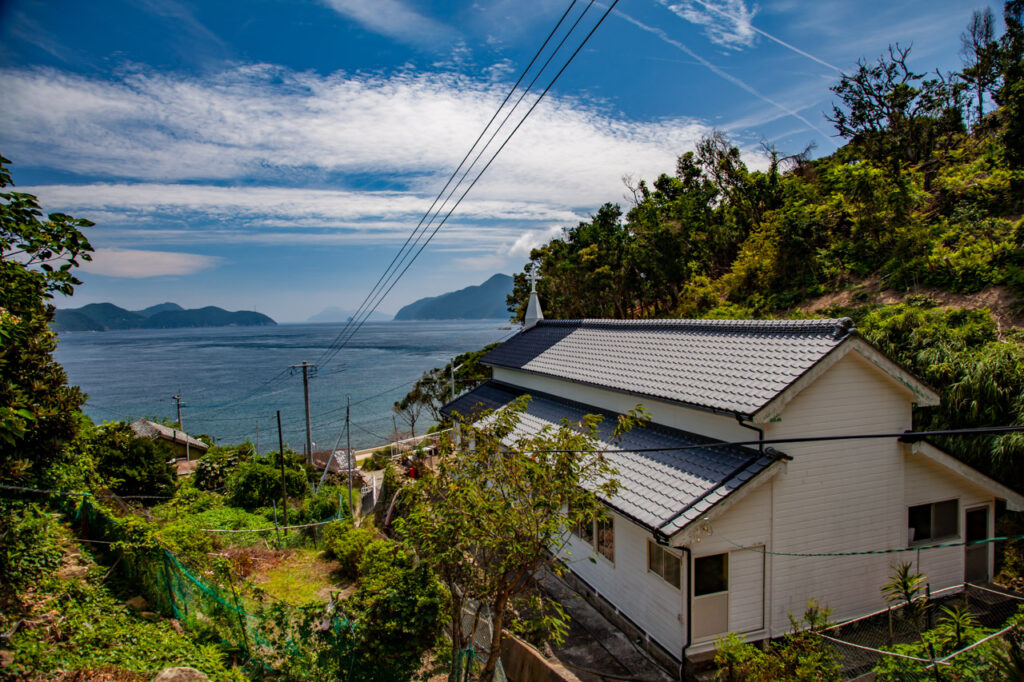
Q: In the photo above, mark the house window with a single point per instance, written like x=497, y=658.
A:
x=663, y=562
x=933, y=521
x=584, y=530
x=710, y=574
x=606, y=537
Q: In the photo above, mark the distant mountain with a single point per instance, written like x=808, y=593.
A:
x=336, y=314
x=107, y=316
x=159, y=308
x=485, y=301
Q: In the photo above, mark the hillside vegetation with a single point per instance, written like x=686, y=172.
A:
x=920, y=208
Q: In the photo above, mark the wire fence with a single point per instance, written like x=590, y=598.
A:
x=958, y=633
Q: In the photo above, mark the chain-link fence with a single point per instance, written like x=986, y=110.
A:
x=959, y=633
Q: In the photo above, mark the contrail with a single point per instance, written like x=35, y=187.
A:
x=719, y=72
x=767, y=35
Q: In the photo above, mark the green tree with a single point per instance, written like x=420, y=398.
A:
x=434, y=389
x=131, y=465
x=489, y=518
x=894, y=115
x=1010, y=95
x=38, y=410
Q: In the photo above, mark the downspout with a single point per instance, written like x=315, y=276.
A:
x=686, y=645
x=760, y=431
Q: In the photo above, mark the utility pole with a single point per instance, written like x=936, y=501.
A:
x=177, y=399
x=306, y=374
x=348, y=445
x=284, y=489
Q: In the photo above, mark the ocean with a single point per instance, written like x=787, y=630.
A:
x=232, y=380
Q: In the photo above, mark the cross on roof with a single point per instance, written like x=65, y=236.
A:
x=533, y=277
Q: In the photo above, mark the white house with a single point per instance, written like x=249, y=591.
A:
x=704, y=538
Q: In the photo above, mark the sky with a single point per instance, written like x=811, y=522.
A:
x=274, y=155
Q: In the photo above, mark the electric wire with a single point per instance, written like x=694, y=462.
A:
x=327, y=357
x=480, y=153
x=454, y=173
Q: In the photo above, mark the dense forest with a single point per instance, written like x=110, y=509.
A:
x=913, y=228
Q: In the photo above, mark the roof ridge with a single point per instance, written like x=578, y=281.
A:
x=836, y=327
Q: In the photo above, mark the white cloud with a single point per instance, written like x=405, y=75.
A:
x=257, y=127
x=267, y=124
x=394, y=19
x=727, y=23
x=138, y=264
x=531, y=239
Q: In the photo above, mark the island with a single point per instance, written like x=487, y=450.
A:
x=102, y=317
x=481, y=302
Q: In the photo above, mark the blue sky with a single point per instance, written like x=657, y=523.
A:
x=273, y=155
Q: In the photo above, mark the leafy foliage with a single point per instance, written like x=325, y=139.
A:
x=800, y=655
x=218, y=463
x=38, y=410
x=485, y=522
x=347, y=545
x=29, y=544
x=257, y=483
x=132, y=465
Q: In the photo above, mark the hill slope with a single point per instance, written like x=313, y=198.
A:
x=107, y=316
x=484, y=301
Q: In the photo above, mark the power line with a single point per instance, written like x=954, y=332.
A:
x=905, y=435
x=341, y=342
x=455, y=172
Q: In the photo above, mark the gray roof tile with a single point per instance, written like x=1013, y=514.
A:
x=663, y=490
x=731, y=365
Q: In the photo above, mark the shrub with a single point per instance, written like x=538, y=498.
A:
x=185, y=535
x=134, y=466
x=258, y=483
x=378, y=460
x=331, y=500
x=347, y=545
x=397, y=611
x=801, y=655
x=30, y=546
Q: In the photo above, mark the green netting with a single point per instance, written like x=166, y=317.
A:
x=209, y=606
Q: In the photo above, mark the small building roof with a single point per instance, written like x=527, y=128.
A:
x=338, y=462
x=668, y=478
x=144, y=428
x=732, y=366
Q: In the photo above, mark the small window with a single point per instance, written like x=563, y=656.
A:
x=606, y=537
x=934, y=521
x=710, y=574
x=663, y=562
x=585, y=531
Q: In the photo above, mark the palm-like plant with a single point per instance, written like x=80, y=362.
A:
x=907, y=586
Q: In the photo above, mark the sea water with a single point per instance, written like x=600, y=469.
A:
x=232, y=380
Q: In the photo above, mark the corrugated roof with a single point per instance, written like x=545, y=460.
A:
x=664, y=490
x=730, y=365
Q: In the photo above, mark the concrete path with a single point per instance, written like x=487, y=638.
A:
x=595, y=650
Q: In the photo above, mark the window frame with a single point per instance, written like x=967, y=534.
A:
x=724, y=574
x=933, y=536
x=661, y=571
x=609, y=522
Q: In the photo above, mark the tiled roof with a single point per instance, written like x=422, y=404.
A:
x=730, y=365
x=663, y=490
x=144, y=428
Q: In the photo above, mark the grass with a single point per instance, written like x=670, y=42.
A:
x=300, y=576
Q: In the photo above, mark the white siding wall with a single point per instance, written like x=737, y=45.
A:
x=928, y=482
x=838, y=496
x=649, y=601
x=747, y=524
